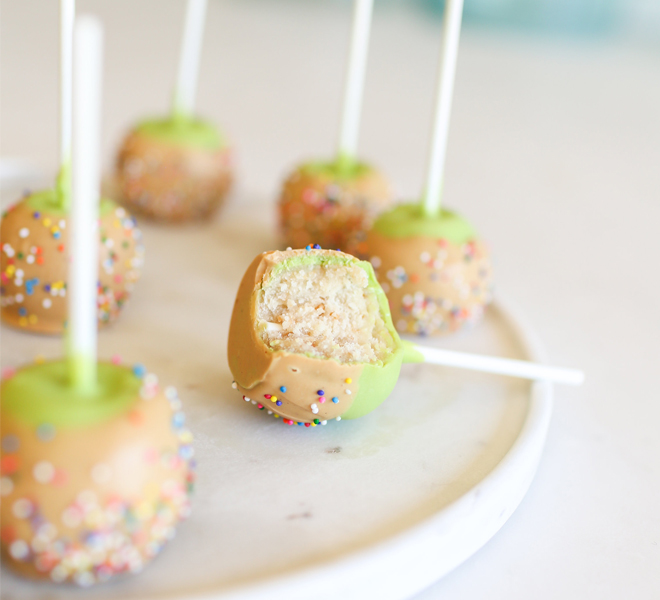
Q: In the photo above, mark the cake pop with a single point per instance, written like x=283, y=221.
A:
x=35, y=238
x=33, y=262
x=311, y=339
x=333, y=203
x=177, y=168
x=95, y=456
x=433, y=267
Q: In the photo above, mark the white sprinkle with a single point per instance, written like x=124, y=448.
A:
x=71, y=517
x=47, y=303
x=270, y=412
x=425, y=257
x=6, y=486
x=324, y=422
x=43, y=472
x=375, y=261
x=29, y=259
x=62, y=224
x=338, y=419
x=22, y=508
x=246, y=399
x=349, y=392
x=19, y=298
x=24, y=232
x=19, y=274
x=234, y=385
x=253, y=401
x=19, y=549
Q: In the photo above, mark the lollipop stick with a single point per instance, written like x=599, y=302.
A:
x=191, y=49
x=451, y=30
x=501, y=366
x=67, y=15
x=355, y=71
x=84, y=248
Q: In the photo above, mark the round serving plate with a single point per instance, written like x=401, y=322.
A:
x=379, y=507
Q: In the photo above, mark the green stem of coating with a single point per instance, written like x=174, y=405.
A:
x=82, y=374
x=63, y=186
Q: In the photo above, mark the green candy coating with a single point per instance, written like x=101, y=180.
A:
x=48, y=202
x=408, y=220
x=340, y=169
x=41, y=393
x=182, y=131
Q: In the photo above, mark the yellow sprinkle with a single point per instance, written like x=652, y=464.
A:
x=273, y=398
x=46, y=222
x=277, y=416
x=54, y=229
x=33, y=319
x=348, y=380
x=39, y=359
x=22, y=321
x=313, y=424
x=116, y=223
x=10, y=270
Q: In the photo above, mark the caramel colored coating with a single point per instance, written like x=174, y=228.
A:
x=315, y=208
x=260, y=373
x=34, y=267
x=434, y=286
x=82, y=504
x=172, y=182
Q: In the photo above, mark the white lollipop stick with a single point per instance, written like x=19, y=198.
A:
x=67, y=15
x=191, y=49
x=84, y=248
x=451, y=30
x=501, y=366
x=354, y=86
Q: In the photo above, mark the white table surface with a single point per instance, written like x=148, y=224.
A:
x=554, y=155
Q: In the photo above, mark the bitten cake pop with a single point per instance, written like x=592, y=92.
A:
x=35, y=238
x=333, y=203
x=177, y=168
x=433, y=267
x=311, y=339
x=96, y=460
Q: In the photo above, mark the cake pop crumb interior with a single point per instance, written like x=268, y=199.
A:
x=325, y=311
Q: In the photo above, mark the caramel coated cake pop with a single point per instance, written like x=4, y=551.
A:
x=93, y=485
x=332, y=204
x=435, y=271
x=174, y=169
x=311, y=337
x=33, y=262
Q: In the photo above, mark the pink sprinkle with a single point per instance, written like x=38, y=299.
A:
x=116, y=359
x=8, y=372
x=321, y=399
x=118, y=278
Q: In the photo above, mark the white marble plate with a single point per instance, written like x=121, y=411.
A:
x=379, y=507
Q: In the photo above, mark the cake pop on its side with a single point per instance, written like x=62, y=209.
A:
x=33, y=262
x=436, y=273
x=174, y=169
x=311, y=337
x=92, y=485
x=332, y=204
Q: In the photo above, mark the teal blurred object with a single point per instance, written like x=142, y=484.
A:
x=573, y=17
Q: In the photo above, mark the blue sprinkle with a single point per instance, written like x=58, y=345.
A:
x=283, y=389
x=320, y=392
x=186, y=452
x=139, y=370
x=317, y=247
x=47, y=287
x=35, y=214
x=335, y=399
x=299, y=423
x=307, y=248
x=22, y=311
x=57, y=235
x=178, y=420
x=279, y=403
